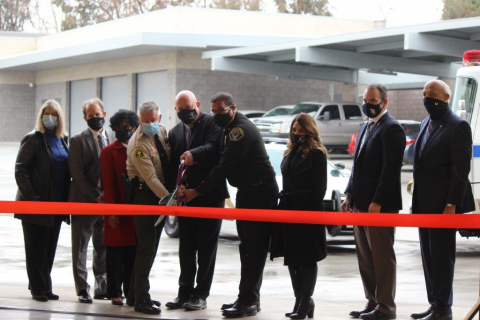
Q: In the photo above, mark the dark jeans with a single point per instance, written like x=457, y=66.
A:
x=40, y=247
x=438, y=248
x=148, y=239
x=120, y=261
x=197, y=237
x=254, y=239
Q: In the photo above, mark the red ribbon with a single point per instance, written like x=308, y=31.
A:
x=450, y=221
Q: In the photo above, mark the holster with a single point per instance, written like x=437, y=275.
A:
x=131, y=186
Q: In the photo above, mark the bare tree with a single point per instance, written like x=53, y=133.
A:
x=14, y=14
x=312, y=7
x=456, y=9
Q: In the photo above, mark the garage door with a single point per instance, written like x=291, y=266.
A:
x=80, y=91
x=114, y=95
x=154, y=86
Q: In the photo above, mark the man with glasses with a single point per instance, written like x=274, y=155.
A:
x=244, y=162
x=86, y=186
x=195, y=140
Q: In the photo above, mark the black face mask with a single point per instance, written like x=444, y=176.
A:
x=222, y=120
x=435, y=108
x=372, y=110
x=187, y=116
x=123, y=134
x=96, y=123
x=299, y=139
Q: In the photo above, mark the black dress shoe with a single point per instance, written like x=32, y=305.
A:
x=377, y=315
x=357, y=314
x=101, y=297
x=148, y=307
x=177, y=303
x=117, y=302
x=230, y=305
x=52, y=296
x=84, y=297
x=131, y=302
x=423, y=314
x=239, y=310
x=195, y=304
x=39, y=297
x=438, y=316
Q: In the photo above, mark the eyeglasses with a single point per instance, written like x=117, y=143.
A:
x=221, y=111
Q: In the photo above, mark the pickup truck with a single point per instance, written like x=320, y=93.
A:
x=337, y=121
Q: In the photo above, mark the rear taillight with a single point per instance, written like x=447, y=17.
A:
x=411, y=141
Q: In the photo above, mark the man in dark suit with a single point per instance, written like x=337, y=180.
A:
x=86, y=186
x=374, y=186
x=442, y=163
x=195, y=140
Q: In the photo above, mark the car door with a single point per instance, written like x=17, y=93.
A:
x=330, y=129
x=353, y=121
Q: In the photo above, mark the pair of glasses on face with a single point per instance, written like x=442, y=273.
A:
x=220, y=111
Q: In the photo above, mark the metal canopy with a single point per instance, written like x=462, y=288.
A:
x=434, y=49
x=137, y=44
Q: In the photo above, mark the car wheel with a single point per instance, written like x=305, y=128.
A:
x=171, y=226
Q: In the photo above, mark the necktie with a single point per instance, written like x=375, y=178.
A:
x=101, y=142
x=188, y=135
x=167, y=170
x=427, y=135
x=367, y=132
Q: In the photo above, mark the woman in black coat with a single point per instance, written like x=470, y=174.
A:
x=304, y=171
x=41, y=173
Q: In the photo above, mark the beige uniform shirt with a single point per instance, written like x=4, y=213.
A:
x=143, y=160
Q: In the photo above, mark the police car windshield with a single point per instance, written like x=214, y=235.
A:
x=305, y=108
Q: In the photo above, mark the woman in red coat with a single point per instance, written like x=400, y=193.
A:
x=119, y=237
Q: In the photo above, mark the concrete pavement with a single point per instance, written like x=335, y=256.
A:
x=339, y=289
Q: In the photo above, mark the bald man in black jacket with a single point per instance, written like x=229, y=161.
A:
x=443, y=154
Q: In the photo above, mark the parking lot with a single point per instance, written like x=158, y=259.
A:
x=339, y=289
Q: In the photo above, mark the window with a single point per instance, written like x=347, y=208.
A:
x=278, y=111
x=334, y=112
x=352, y=112
x=464, y=97
x=311, y=109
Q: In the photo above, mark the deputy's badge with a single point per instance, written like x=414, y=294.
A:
x=236, y=134
x=139, y=153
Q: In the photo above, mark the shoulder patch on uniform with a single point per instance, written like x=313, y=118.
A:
x=236, y=134
x=139, y=153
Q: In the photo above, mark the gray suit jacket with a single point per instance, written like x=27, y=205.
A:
x=84, y=165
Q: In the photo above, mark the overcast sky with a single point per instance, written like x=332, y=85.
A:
x=396, y=12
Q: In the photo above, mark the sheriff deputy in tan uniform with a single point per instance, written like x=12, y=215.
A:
x=148, y=156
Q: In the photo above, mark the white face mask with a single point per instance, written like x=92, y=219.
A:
x=49, y=121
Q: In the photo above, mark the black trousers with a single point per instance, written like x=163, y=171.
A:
x=438, y=248
x=148, y=239
x=198, y=238
x=120, y=262
x=254, y=239
x=40, y=247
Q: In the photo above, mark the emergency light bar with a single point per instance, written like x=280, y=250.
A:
x=471, y=58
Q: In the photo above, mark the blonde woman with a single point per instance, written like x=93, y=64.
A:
x=41, y=173
x=304, y=171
